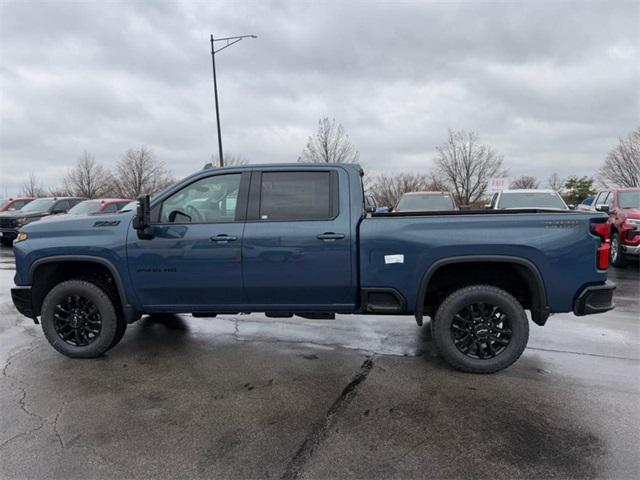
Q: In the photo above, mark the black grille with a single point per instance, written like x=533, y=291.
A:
x=8, y=223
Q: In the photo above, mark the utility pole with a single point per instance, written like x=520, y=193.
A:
x=229, y=41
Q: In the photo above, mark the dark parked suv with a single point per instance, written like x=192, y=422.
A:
x=12, y=221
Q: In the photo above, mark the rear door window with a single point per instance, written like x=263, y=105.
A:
x=295, y=196
x=62, y=206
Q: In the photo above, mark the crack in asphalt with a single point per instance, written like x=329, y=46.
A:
x=22, y=401
x=296, y=465
x=22, y=386
x=55, y=427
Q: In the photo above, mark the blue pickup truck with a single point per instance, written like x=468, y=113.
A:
x=295, y=239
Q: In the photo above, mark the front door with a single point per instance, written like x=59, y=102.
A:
x=193, y=262
x=297, y=247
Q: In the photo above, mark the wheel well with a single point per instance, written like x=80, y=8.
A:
x=514, y=278
x=48, y=275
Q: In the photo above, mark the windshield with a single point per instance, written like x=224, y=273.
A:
x=425, y=202
x=531, y=200
x=85, y=208
x=39, y=205
x=629, y=199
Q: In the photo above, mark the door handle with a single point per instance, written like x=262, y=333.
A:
x=330, y=236
x=223, y=238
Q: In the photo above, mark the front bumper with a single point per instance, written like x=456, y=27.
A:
x=631, y=250
x=22, y=299
x=9, y=232
x=595, y=299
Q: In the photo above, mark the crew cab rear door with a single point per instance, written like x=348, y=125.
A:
x=297, y=246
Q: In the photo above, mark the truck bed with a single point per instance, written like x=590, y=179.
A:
x=396, y=249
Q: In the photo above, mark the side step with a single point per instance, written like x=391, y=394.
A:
x=307, y=315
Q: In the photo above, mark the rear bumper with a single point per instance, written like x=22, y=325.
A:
x=22, y=299
x=595, y=299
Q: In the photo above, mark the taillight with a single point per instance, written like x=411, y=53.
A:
x=603, y=230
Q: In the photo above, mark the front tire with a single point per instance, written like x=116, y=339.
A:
x=480, y=329
x=616, y=255
x=79, y=319
x=6, y=241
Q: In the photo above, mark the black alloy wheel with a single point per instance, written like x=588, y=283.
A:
x=77, y=320
x=481, y=331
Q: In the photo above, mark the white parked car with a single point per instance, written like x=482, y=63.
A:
x=526, y=199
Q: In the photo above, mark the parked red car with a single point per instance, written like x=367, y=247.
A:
x=7, y=204
x=97, y=206
x=623, y=206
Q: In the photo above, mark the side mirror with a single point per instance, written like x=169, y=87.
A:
x=601, y=207
x=142, y=220
x=571, y=206
x=487, y=205
x=370, y=204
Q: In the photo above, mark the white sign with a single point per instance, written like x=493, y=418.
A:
x=497, y=184
x=397, y=258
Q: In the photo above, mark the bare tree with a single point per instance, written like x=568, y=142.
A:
x=32, y=187
x=62, y=191
x=555, y=182
x=330, y=144
x=88, y=178
x=525, y=181
x=622, y=166
x=467, y=165
x=389, y=188
x=138, y=173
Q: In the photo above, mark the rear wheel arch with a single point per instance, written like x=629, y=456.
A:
x=526, y=270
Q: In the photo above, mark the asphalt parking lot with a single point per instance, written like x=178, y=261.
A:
x=361, y=396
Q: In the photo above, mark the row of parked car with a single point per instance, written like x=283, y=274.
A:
x=505, y=199
x=17, y=212
x=622, y=205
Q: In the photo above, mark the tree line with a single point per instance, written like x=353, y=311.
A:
x=463, y=165
x=137, y=172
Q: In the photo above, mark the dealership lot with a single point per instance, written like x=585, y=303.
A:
x=362, y=396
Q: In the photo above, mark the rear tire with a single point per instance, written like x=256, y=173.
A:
x=480, y=329
x=79, y=319
x=616, y=255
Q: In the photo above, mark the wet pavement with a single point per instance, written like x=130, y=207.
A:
x=362, y=396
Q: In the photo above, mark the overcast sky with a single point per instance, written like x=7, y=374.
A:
x=549, y=84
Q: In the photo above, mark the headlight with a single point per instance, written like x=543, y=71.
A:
x=21, y=237
x=632, y=222
x=23, y=221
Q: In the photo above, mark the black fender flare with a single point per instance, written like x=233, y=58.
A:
x=128, y=310
x=539, y=308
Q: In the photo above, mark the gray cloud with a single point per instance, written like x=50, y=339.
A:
x=550, y=84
